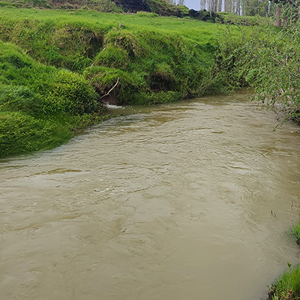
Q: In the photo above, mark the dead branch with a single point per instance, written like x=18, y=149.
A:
x=107, y=94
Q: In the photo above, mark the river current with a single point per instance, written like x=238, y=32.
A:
x=185, y=201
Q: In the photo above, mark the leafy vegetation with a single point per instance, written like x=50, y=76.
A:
x=268, y=59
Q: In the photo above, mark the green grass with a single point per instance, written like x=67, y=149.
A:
x=288, y=286
x=175, y=51
x=99, y=5
x=40, y=106
x=201, y=32
x=245, y=20
x=296, y=231
x=160, y=7
x=61, y=62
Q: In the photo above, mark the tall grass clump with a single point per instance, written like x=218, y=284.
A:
x=287, y=287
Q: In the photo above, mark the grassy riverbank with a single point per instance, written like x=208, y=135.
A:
x=268, y=59
x=287, y=286
x=41, y=106
x=57, y=65
x=71, y=61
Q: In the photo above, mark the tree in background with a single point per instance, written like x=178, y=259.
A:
x=239, y=7
x=287, y=11
x=173, y=2
x=257, y=7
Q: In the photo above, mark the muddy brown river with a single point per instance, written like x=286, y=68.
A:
x=185, y=201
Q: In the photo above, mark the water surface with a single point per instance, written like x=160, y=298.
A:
x=192, y=200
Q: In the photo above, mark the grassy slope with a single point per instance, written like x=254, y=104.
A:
x=160, y=7
x=153, y=59
x=99, y=5
x=198, y=31
x=39, y=106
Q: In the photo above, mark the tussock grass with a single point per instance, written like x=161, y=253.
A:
x=287, y=287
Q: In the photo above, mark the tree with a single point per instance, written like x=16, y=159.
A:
x=173, y=2
x=203, y=4
x=286, y=9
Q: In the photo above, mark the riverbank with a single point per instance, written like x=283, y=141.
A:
x=94, y=58
x=59, y=67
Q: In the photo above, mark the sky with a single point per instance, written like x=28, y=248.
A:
x=194, y=4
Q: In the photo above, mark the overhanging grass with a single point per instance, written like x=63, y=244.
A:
x=287, y=287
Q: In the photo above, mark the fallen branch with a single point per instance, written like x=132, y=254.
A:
x=107, y=94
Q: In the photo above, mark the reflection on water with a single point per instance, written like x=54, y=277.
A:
x=191, y=200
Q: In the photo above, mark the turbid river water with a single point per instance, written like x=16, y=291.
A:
x=184, y=201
